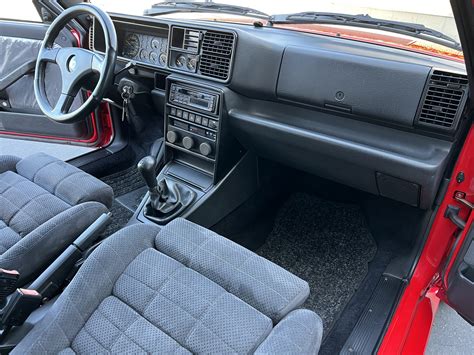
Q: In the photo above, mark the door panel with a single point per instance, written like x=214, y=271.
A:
x=19, y=112
x=460, y=290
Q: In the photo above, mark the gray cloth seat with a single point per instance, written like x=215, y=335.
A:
x=44, y=205
x=181, y=289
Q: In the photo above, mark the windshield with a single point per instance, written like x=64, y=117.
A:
x=433, y=14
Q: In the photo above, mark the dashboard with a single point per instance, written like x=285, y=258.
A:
x=383, y=120
x=195, y=51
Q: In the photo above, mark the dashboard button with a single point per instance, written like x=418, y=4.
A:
x=198, y=119
x=212, y=124
x=173, y=111
x=185, y=115
x=192, y=116
x=179, y=113
x=205, y=121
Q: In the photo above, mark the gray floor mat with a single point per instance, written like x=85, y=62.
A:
x=325, y=243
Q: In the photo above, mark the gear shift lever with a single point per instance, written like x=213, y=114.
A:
x=167, y=198
x=146, y=167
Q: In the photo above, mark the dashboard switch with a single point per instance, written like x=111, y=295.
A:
x=212, y=124
x=172, y=136
x=188, y=142
x=205, y=149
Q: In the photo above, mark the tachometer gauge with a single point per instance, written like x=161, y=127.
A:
x=144, y=54
x=163, y=59
x=180, y=61
x=131, y=46
x=155, y=43
x=191, y=63
x=153, y=57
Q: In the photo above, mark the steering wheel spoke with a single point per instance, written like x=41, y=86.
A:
x=97, y=63
x=49, y=54
x=63, y=104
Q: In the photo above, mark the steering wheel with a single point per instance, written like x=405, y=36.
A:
x=76, y=65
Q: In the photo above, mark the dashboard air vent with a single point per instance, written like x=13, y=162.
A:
x=216, y=55
x=191, y=40
x=91, y=37
x=443, y=100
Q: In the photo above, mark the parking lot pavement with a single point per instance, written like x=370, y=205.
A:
x=450, y=334
x=23, y=148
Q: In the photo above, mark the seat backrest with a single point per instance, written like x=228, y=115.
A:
x=63, y=180
x=264, y=285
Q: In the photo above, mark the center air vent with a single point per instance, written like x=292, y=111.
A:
x=216, y=55
x=443, y=100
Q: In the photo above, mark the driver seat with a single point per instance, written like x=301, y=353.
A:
x=45, y=204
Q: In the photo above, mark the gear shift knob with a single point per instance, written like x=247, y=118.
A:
x=146, y=167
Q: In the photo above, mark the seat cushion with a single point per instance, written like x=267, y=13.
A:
x=44, y=205
x=25, y=205
x=142, y=292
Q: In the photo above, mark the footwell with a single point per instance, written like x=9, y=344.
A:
x=128, y=189
x=326, y=243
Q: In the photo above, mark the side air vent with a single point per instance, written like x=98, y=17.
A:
x=443, y=100
x=191, y=40
x=91, y=37
x=216, y=55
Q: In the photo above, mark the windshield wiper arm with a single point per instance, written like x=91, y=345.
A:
x=366, y=21
x=170, y=7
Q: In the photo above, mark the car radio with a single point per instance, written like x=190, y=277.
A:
x=183, y=95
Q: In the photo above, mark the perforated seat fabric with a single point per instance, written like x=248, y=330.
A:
x=181, y=289
x=44, y=205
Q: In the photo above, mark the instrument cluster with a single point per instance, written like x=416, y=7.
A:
x=145, y=48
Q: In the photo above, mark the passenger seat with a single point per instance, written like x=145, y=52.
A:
x=180, y=289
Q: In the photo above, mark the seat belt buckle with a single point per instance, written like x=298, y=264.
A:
x=22, y=303
x=8, y=283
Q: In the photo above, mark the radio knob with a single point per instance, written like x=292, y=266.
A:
x=205, y=149
x=171, y=136
x=188, y=142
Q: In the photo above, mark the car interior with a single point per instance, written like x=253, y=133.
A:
x=257, y=190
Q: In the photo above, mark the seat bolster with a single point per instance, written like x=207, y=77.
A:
x=63, y=180
x=47, y=241
x=300, y=332
x=92, y=284
x=8, y=162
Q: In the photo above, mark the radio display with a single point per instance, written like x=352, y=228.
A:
x=193, y=98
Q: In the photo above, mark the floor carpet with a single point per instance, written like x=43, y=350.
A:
x=124, y=183
x=326, y=243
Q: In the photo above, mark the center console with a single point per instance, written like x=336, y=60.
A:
x=204, y=164
x=193, y=116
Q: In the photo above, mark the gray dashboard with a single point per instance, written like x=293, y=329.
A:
x=379, y=119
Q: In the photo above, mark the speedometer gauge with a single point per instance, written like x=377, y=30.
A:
x=131, y=46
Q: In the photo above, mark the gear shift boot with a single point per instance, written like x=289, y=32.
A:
x=168, y=201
